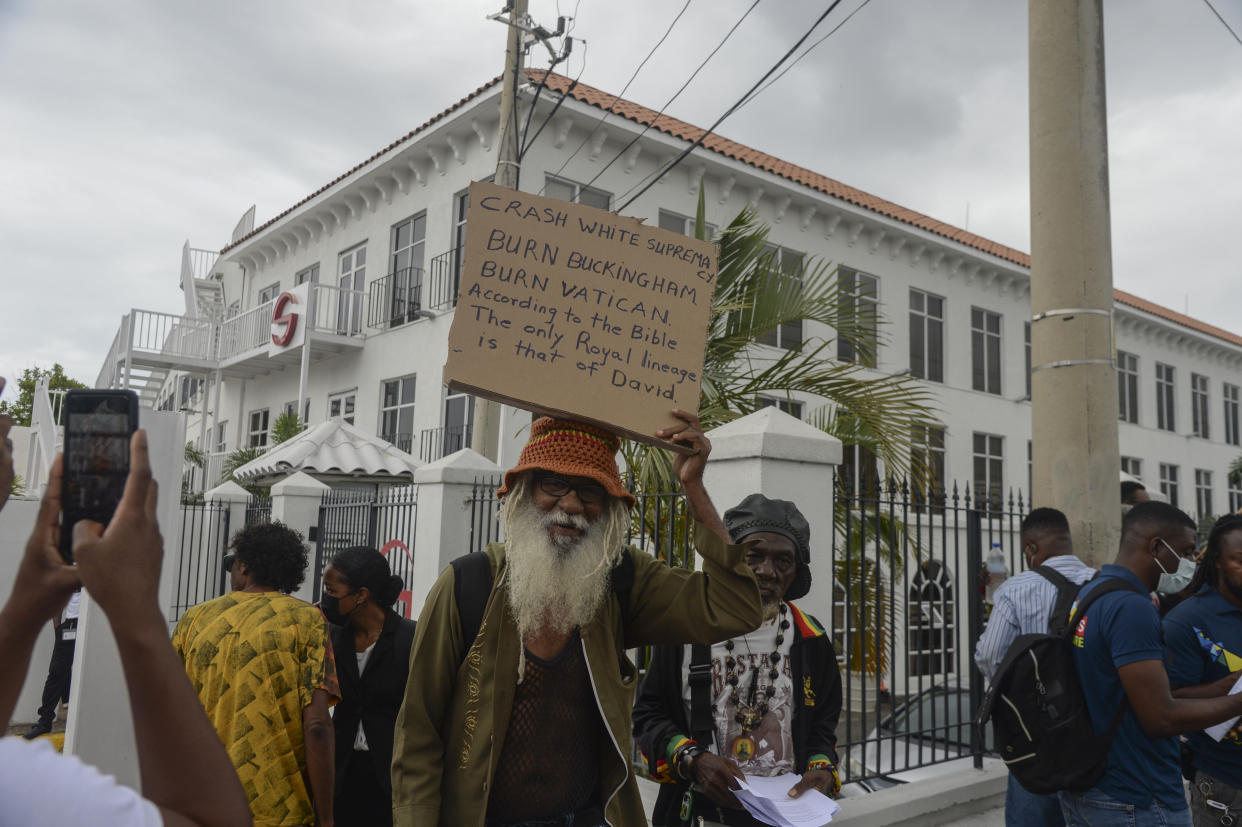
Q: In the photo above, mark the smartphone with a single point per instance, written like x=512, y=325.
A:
x=98, y=428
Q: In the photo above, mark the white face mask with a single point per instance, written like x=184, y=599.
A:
x=1172, y=583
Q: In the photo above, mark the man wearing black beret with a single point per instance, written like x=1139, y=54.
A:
x=763, y=704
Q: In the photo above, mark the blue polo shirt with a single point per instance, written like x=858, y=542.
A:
x=1203, y=638
x=1121, y=628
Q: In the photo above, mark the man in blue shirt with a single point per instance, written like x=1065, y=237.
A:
x=1119, y=654
x=1203, y=637
x=1023, y=605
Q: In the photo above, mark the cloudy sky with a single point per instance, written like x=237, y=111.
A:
x=129, y=127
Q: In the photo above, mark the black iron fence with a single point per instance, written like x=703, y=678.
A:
x=445, y=279
x=396, y=299
x=385, y=521
x=906, y=605
x=200, y=574
x=259, y=510
x=434, y=443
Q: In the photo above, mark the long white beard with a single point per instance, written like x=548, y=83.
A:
x=555, y=583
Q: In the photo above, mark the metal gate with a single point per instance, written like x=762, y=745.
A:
x=384, y=521
x=200, y=574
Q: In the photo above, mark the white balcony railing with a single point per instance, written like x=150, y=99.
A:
x=168, y=335
x=246, y=331
x=336, y=310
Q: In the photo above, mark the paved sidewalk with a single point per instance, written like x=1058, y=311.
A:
x=991, y=818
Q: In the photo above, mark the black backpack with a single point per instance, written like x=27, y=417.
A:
x=1039, y=714
x=472, y=586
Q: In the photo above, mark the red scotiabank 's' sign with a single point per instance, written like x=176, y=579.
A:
x=284, y=320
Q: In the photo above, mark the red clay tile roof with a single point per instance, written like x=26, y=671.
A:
x=769, y=163
x=1175, y=317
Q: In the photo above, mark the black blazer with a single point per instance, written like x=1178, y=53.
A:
x=373, y=697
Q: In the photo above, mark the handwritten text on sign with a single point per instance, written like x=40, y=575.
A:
x=573, y=310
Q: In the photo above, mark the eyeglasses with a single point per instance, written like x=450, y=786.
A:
x=589, y=493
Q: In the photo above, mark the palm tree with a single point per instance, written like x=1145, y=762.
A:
x=861, y=407
x=753, y=298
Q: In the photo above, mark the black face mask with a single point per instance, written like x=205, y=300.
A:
x=331, y=608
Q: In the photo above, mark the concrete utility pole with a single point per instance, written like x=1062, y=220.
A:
x=1074, y=384
x=485, y=431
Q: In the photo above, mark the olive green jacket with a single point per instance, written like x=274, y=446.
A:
x=451, y=727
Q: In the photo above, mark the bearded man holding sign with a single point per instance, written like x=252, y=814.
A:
x=518, y=704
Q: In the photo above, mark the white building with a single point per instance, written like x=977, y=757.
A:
x=380, y=246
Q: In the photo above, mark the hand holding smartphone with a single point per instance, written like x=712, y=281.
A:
x=98, y=428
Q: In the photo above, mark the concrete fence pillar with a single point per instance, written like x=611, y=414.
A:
x=443, y=527
x=236, y=499
x=772, y=453
x=295, y=502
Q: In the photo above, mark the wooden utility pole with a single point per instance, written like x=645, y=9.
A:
x=485, y=432
x=1074, y=383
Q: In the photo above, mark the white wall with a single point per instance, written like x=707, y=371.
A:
x=16, y=522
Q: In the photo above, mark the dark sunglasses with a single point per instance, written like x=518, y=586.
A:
x=589, y=493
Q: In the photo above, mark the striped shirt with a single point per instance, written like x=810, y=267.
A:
x=1021, y=606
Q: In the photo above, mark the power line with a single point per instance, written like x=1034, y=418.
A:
x=569, y=90
x=1223, y=21
x=809, y=49
x=661, y=173
x=617, y=97
x=668, y=102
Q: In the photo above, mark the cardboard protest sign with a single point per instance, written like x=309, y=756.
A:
x=576, y=312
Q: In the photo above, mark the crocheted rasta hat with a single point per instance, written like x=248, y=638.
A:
x=757, y=513
x=574, y=449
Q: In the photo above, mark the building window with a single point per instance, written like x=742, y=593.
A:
x=927, y=452
x=269, y=293
x=926, y=336
x=234, y=309
x=1164, y=397
x=1027, y=335
x=291, y=408
x=458, y=423
x=310, y=274
x=401, y=290
x=985, y=350
x=989, y=467
x=1168, y=482
x=1203, y=494
x=342, y=405
x=567, y=190
x=1132, y=466
x=1127, y=386
x=930, y=628
x=1199, y=405
x=790, y=406
x=222, y=437
x=683, y=225
x=859, y=295
x=859, y=473
x=1230, y=392
x=258, y=429
x=191, y=387
x=788, y=264
x=397, y=412
x=1235, y=495
x=352, y=268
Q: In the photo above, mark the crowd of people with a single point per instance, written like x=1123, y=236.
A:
x=1155, y=660
x=508, y=704
x=511, y=702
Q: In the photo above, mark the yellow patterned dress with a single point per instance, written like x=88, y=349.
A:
x=255, y=659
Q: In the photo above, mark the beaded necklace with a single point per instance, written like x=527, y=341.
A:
x=750, y=714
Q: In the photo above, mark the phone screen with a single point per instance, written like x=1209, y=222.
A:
x=98, y=427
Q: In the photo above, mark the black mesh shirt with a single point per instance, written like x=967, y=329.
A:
x=549, y=765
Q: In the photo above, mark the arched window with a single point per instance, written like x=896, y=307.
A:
x=930, y=632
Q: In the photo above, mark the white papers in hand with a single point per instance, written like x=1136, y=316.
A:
x=767, y=799
x=1217, y=732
